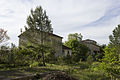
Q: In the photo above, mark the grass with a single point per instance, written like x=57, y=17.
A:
x=80, y=71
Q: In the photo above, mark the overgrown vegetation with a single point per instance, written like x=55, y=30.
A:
x=80, y=64
x=79, y=51
x=111, y=61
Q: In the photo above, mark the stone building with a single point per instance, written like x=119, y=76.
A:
x=92, y=45
x=52, y=40
x=66, y=50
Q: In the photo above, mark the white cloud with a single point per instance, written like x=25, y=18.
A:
x=67, y=16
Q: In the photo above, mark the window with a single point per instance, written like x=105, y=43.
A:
x=68, y=52
x=63, y=51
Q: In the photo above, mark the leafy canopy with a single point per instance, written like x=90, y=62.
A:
x=79, y=50
x=75, y=36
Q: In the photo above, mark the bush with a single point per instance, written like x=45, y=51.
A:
x=90, y=59
x=65, y=59
x=50, y=56
x=95, y=66
x=98, y=56
x=111, y=62
x=34, y=64
x=4, y=51
x=14, y=56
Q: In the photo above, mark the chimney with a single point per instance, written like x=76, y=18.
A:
x=52, y=30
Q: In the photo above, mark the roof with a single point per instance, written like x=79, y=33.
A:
x=49, y=33
x=89, y=40
x=85, y=41
x=65, y=47
x=56, y=35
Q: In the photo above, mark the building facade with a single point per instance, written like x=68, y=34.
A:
x=92, y=45
x=51, y=39
x=66, y=50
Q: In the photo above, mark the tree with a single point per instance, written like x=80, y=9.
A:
x=3, y=54
x=50, y=56
x=115, y=39
x=38, y=23
x=3, y=51
x=79, y=50
x=111, y=61
x=3, y=36
x=75, y=36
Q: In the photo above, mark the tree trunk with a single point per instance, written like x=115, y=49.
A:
x=43, y=59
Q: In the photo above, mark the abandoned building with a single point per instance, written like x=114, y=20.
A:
x=66, y=50
x=92, y=45
x=52, y=40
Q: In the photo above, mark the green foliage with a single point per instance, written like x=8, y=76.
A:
x=4, y=54
x=79, y=71
x=38, y=20
x=103, y=46
x=79, y=51
x=68, y=59
x=95, y=66
x=39, y=24
x=111, y=61
x=50, y=56
x=75, y=36
x=14, y=56
x=90, y=59
x=34, y=64
x=99, y=56
x=39, y=49
x=21, y=56
x=115, y=38
x=65, y=59
x=26, y=56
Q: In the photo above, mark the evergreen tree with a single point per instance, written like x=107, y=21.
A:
x=38, y=23
x=111, y=61
x=115, y=39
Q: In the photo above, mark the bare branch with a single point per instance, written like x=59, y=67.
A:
x=3, y=35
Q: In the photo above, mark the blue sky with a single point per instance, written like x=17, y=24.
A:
x=95, y=19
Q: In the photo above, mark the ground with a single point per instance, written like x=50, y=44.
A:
x=78, y=71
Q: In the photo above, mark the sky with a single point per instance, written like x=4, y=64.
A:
x=94, y=19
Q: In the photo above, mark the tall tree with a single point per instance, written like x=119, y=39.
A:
x=39, y=24
x=111, y=61
x=75, y=36
x=79, y=50
x=3, y=36
x=115, y=38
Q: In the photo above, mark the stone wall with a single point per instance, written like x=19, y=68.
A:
x=52, y=40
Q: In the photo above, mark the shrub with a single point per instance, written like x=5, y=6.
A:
x=65, y=59
x=34, y=64
x=110, y=62
x=90, y=59
x=50, y=56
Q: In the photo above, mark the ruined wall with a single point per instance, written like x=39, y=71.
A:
x=53, y=41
